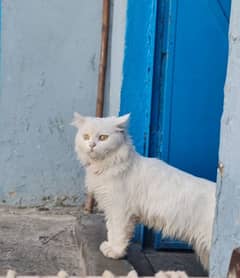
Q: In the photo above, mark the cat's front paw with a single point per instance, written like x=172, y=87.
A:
x=111, y=252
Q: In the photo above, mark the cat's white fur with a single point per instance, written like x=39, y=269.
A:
x=131, y=274
x=130, y=188
x=11, y=274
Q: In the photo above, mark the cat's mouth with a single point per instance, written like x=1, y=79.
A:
x=92, y=154
x=95, y=155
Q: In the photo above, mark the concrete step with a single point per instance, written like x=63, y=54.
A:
x=35, y=242
x=90, y=231
x=41, y=241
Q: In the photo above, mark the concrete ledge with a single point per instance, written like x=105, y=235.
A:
x=41, y=241
x=34, y=242
x=90, y=231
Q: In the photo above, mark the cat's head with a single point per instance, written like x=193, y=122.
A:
x=97, y=137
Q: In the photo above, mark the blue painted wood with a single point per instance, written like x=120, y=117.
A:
x=191, y=92
x=162, y=83
x=136, y=92
x=200, y=58
x=225, y=6
x=168, y=243
x=173, y=78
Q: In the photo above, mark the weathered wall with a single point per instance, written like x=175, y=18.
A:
x=227, y=220
x=115, y=57
x=49, y=68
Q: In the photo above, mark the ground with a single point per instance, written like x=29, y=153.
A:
x=41, y=241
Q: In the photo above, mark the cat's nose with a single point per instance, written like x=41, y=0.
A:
x=92, y=145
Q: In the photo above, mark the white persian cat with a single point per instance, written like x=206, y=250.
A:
x=132, y=189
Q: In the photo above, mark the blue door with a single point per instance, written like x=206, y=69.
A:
x=188, y=90
x=182, y=122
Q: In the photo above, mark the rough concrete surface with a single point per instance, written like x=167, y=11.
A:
x=41, y=241
x=147, y=262
x=36, y=241
x=167, y=260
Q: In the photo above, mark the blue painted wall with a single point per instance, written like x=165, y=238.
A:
x=49, y=69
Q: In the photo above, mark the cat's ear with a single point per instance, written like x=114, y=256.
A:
x=122, y=122
x=78, y=120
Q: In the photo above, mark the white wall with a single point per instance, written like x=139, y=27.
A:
x=115, y=57
x=227, y=217
x=49, y=69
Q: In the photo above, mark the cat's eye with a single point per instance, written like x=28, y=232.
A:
x=103, y=137
x=86, y=136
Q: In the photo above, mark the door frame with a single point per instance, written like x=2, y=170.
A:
x=136, y=91
x=140, y=93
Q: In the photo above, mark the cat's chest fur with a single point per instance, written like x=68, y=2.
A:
x=108, y=183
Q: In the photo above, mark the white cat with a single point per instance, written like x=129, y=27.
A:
x=130, y=188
